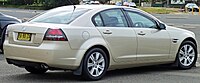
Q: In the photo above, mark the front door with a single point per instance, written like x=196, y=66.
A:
x=153, y=43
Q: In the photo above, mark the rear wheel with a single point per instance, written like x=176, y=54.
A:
x=95, y=64
x=187, y=55
x=35, y=70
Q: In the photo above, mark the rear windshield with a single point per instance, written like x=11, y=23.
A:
x=60, y=16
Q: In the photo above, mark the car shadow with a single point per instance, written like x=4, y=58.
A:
x=141, y=70
x=60, y=76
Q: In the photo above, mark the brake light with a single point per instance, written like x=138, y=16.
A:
x=55, y=35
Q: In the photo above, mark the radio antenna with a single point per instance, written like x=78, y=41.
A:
x=73, y=9
x=72, y=4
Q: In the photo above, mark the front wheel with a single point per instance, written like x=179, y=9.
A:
x=187, y=55
x=95, y=64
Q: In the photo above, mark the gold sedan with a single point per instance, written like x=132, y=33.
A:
x=90, y=39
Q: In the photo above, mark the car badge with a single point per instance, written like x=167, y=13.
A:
x=23, y=29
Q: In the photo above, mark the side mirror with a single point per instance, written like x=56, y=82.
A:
x=25, y=20
x=162, y=26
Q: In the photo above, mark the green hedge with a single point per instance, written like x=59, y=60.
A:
x=45, y=4
x=55, y=3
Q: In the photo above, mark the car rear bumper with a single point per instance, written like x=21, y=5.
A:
x=51, y=53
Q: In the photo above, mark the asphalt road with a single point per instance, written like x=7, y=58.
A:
x=20, y=13
x=151, y=74
x=179, y=19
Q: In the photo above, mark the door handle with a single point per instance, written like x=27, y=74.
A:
x=141, y=33
x=107, y=32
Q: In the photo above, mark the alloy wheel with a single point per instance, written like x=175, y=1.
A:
x=186, y=55
x=96, y=64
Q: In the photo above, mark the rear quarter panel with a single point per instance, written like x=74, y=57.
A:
x=83, y=38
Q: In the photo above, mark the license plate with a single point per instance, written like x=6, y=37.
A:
x=24, y=36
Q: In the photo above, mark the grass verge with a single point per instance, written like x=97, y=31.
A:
x=159, y=10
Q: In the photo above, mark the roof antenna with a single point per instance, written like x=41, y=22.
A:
x=73, y=9
x=72, y=4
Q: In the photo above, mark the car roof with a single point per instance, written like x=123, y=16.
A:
x=92, y=7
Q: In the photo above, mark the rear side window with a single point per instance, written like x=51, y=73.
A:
x=97, y=21
x=110, y=18
x=114, y=18
x=59, y=16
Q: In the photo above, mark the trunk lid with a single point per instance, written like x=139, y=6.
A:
x=28, y=34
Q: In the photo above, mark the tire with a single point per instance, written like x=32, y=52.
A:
x=35, y=70
x=187, y=55
x=2, y=39
x=98, y=61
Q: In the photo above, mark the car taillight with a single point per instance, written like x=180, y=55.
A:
x=55, y=35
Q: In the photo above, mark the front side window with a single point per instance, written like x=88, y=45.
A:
x=141, y=21
x=113, y=18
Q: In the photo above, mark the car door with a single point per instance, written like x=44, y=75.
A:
x=153, y=43
x=120, y=38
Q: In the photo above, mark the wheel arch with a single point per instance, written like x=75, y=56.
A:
x=190, y=39
x=79, y=70
x=103, y=48
x=186, y=39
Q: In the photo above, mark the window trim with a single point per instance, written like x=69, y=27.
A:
x=93, y=19
x=146, y=16
x=127, y=17
x=99, y=13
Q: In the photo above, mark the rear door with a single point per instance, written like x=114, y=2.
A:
x=120, y=38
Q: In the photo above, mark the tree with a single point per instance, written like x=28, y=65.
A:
x=56, y=3
x=103, y=1
x=46, y=3
x=20, y=2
